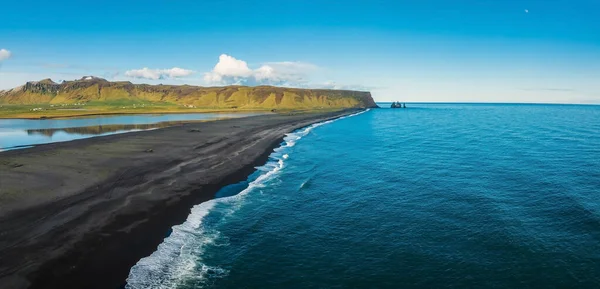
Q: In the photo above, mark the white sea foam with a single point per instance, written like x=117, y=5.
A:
x=179, y=258
x=303, y=184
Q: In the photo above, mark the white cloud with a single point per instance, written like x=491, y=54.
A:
x=230, y=70
x=337, y=86
x=155, y=74
x=4, y=54
x=230, y=66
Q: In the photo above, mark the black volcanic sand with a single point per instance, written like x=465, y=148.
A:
x=80, y=214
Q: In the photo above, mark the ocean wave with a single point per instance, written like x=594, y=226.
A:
x=178, y=259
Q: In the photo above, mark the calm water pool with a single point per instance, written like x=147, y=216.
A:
x=24, y=133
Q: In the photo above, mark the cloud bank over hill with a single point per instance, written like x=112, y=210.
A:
x=230, y=70
x=156, y=74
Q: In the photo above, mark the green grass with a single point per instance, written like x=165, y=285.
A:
x=121, y=107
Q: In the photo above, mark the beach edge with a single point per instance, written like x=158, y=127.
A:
x=102, y=257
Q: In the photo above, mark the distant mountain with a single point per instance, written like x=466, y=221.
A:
x=91, y=89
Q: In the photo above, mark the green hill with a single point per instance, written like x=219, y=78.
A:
x=97, y=95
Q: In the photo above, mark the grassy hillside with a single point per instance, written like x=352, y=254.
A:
x=91, y=95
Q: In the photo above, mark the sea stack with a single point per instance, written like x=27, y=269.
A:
x=397, y=104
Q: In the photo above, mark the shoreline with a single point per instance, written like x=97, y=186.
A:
x=92, y=236
x=157, y=125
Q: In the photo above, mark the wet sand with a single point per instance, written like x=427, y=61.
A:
x=79, y=214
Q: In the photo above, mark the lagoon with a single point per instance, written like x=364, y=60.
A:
x=24, y=133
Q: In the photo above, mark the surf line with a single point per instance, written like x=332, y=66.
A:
x=179, y=257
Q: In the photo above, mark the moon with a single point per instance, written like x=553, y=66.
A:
x=526, y=11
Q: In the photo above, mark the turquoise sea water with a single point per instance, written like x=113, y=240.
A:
x=433, y=196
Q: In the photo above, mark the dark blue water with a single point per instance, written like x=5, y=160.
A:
x=433, y=196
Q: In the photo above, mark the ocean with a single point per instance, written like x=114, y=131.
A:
x=431, y=196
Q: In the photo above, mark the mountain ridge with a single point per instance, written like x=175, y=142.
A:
x=90, y=89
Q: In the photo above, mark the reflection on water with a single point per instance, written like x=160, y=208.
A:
x=23, y=133
x=103, y=129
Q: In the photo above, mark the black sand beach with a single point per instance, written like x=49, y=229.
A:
x=79, y=214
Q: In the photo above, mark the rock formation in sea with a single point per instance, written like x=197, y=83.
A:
x=397, y=104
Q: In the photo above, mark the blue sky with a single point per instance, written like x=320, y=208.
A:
x=426, y=50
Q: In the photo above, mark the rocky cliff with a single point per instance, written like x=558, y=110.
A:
x=97, y=90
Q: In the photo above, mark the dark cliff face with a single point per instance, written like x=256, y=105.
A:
x=100, y=90
x=369, y=101
x=45, y=86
